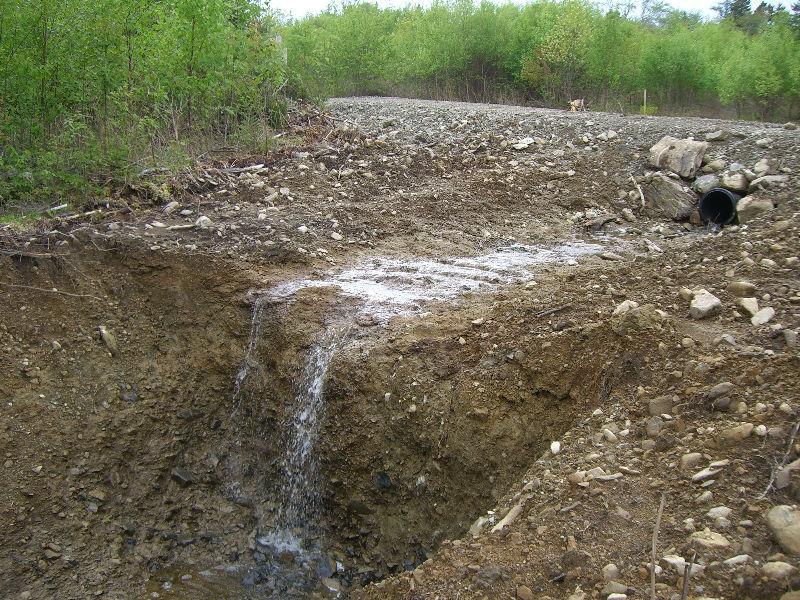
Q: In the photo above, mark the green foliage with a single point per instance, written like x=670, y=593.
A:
x=552, y=51
x=91, y=90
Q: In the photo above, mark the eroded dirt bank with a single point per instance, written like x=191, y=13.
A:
x=132, y=466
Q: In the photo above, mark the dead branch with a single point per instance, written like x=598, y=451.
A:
x=24, y=254
x=37, y=289
x=780, y=465
x=656, y=529
x=552, y=311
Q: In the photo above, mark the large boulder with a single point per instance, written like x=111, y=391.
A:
x=784, y=523
x=666, y=198
x=684, y=157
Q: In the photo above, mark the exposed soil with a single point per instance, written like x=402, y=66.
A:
x=133, y=469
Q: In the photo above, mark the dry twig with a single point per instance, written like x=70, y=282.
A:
x=656, y=529
x=37, y=289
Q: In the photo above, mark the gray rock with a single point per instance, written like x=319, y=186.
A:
x=789, y=126
x=109, y=340
x=654, y=425
x=764, y=142
x=665, y=198
x=719, y=390
x=763, y=316
x=751, y=207
x=717, y=136
x=203, y=222
x=777, y=570
x=704, y=304
x=705, y=183
x=767, y=181
x=659, y=406
x=715, y=166
x=684, y=157
x=784, y=523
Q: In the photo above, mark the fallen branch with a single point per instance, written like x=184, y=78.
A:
x=23, y=254
x=687, y=574
x=780, y=465
x=552, y=311
x=656, y=529
x=639, y=188
x=37, y=289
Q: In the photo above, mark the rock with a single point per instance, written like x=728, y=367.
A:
x=763, y=316
x=610, y=572
x=613, y=587
x=790, y=338
x=333, y=586
x=736, y=434
x=336, y=236
x=777, y=570
x=761, y=167
x=182, y=476
x=719, y=390
x=109, y=340
x=749, y=305
x=751, y=207
x=691, y=460
x=784, y=523
x=524, y=593
x=736, y=182
x=764, y=142
x=659, y=406
x=555, y=448
x=302, y=229
x=704, y=304
x=684, y=157
x=171, y=207
x=709, y=539
x=203, y=222
x=624, y=307
x=717, y=136
x=741, y=288
x=789, y=126
x=766, y=182
x=523, y=144
x=715, y=166
x=665, y=198
x=654, y=426
x=617, y=597
x=628, y=215
x=791, y=596
x=705, y=183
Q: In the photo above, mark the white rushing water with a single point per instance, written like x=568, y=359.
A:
x=391, y=286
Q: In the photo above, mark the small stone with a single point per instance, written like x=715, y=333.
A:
x=524, y=593
x=739, y=559
x=741, y=288
x=109, y=340
x=659, y=406
x=764, y=142
x=709, y=539
x=654, y=426
x=717, y=136
x=719, y=511
x=789, y=126
x=624, y=307
x=336, y=236
x=704, y=304
x=611, y=572
x=784, y=523
x=719, y=390
x=777, y=570
x=749, y=305
x=302, y=229
x=735, y=434
x=763, y=316
x=690, y=460
x=736, y=182
x=555, y=448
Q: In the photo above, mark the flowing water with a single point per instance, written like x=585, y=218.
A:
x=289, y=548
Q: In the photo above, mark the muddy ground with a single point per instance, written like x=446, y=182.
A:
x=132, y=469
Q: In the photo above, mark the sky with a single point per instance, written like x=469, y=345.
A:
x=300, y=8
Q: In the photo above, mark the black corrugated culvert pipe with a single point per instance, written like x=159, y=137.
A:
x=718, y=206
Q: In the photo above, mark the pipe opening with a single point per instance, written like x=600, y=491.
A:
x=718, y=206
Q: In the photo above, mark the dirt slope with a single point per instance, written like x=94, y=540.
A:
x=121, y=453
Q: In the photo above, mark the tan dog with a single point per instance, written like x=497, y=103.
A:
x=577, y=105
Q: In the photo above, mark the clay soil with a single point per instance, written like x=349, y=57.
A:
x=131, y=469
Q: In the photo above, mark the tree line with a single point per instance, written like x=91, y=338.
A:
x=92, y=90
x=744, y=64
